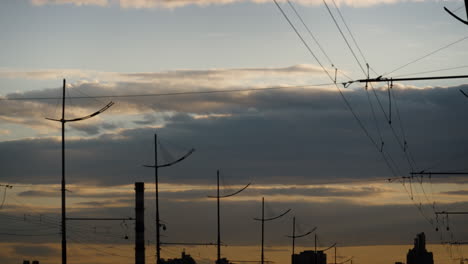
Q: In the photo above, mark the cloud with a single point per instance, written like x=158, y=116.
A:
x=181, y=3
x=74, y=2
x=288, y=133
x=35, y=250
x=181, y=75
x=460, y=192
x=32, y=113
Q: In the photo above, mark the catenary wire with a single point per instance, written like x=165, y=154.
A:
x=352, y=36
x=336, y=85
x=375, y=94
x=310, y=33
x=344, y=37
x=425, y=56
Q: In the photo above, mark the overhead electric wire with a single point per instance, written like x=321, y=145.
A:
x=171, y=94
x=372, y=87
x=86, y=245
x=352, y=36
x=408, y=157
x=432, y=71
x=403, y=133
x=4, y=196
x=344, y=37
x=375, y=119
x=310, y=33
x=388, y=160
x=336, y=85
x=425, y=56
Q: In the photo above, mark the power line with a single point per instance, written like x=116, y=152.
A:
x=352, y=36
x=310, y=33
x=347, y=103
x=425, y=56
x=170, y=94
x=344, y=37
x=375, y=94
x=431, y=71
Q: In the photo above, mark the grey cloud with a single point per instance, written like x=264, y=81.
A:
x=39, y=194
x=33, y=112
x=93, y=129
x=323, y=192
x=462, y=192
x=73, y=194
x=308, y=192
x=203, y=193
x=294, y=136
x=99, y=204
x=348, y=224
x=343, y=222
x=35, y=250
x=182, y=3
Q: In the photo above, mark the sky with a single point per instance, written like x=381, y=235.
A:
x=233, y=80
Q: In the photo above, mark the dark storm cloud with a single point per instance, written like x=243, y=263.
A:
x=293, y=136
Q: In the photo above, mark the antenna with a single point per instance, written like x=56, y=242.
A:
x=218, y=197
x=156, y=166
x=263, y=219
x=63, y=189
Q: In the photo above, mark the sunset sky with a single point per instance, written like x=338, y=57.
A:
x=300, y=143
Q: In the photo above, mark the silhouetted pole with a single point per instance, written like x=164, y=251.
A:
x=293, y=234
x=156, y=180
x=64, y=228
x=219, y=221
x=140, y=223
x=315, y=248
x=218, y=200
x=335, y=254
x=63, y=183
x=156, y=166
x=263, y=226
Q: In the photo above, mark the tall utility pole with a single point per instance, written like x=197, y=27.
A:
x=218, y=197
x=63, y=189
x=294, y=236
x=263, y=220
x=315, y=238
x=335, y=255
x=156, y=166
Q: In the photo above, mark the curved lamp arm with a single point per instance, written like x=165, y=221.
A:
x=273, y=218
x=232, y=194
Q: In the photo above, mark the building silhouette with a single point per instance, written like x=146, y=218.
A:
x=185, y=259
x=419, y=254
x=310, y=257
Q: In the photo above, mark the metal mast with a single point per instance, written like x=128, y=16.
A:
x=156, y=166
x=218, y=197
x=263, y=220
x=63, y=187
